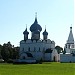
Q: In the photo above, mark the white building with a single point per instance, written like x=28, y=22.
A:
x=69, y=48
x=36, y=48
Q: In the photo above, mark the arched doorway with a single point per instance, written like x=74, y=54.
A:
x=54, y=58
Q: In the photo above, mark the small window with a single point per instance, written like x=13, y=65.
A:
x=72, y=46
x=39, y=49
x=66, y=46
x=69, y=46
x=43, y=49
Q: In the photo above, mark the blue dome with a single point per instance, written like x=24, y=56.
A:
x=26, y=32
x=35, y=26
x=37, y=32
x=45, y=32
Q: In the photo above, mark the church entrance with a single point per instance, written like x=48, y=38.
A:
x=54, y=58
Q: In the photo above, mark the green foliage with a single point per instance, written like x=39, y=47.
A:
x=8, y=51
x=59, y=49
x=0, y=51
x=48, y=68
x=48, y=51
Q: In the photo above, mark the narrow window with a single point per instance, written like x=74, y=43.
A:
x=39, y=49
x=43, y=49
x=66, y=46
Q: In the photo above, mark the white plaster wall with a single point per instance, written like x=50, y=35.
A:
x=47, y=45
x=39, y=44
x=48, y=57
x=72, y=51
x=31, y=45
x=66, y=58
x=73, y=58
x=48, y=41
x=37, y=55
x=67, y=50
x=55, y=54
x=52, y=45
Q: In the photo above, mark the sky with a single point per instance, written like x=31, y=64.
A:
x=57, y=15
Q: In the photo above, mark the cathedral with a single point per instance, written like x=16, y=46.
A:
x=36, y=48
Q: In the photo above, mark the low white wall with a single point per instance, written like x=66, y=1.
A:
x=67, y=58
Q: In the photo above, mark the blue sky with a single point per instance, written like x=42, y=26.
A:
x=57, y=15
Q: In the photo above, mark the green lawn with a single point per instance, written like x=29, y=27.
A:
x=38, y=69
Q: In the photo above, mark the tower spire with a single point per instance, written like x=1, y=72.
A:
x=71, y=25
x=26, y=28
x=70, y=38
x=71, y=28
x=45, y=27
x=26, y=25
x=36, y=17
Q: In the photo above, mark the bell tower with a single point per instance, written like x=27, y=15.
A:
x=70, y=42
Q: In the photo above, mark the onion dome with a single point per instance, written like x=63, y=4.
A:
x=45, y=32
x=26, y=32
x=35, y=26
x=37, y=32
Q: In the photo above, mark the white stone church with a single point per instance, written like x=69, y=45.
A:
x=37, y=48
x=69, y=48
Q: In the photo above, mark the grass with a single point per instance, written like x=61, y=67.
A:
x=51, y=68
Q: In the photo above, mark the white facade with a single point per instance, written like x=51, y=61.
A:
x=69, y=56
x=35, y=48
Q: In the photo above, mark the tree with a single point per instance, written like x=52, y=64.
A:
x=5, y=52
x=59, y=49
x=15, y=52
x=8, y=51
x=0, y=51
